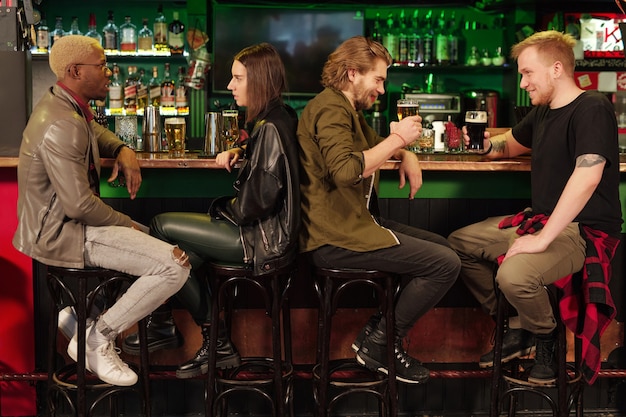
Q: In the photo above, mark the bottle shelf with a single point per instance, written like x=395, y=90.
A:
x=164, y=111
x=128, y=55
x=451, y=68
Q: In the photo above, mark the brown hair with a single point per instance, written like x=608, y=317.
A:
x=552, y=46
x=358, y=53
x=265, y=77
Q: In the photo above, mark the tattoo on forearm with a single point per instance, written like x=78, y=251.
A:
x=498, y=146
x=589, y=160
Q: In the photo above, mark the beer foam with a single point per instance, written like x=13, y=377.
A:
x=476, y=117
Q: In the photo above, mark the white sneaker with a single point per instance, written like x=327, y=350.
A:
x=67, y=322
x=104, y=362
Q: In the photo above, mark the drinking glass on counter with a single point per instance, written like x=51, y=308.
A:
x=176, y=132
x=426, y=142
x=230, y=123
x=407, y=107
x=126, y=130
x=476, y=123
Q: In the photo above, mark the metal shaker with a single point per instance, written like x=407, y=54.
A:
x=151, y=129
x=212, y=139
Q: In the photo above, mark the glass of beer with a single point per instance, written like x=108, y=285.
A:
x=175, y=132
x=476, y=123
x=230, y=124
x=407, y=107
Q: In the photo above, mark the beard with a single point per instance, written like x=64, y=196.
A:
x=362, y=99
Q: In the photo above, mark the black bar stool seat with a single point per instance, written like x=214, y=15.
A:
x=271, y=377
x=68, y=287
x=336, y=379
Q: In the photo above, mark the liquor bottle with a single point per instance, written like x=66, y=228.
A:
x=154, y=88
x=74, y=29
x=159, y=27
x=92, y=31
x=110, y=34
x=377, y=34
x=428, y=40
x=390, y=38
x=144, y=37
x=100, y=116
x=58, y=31
x=43, y=35
x=442, y=54
x=455, y=41
x=128, y=38
x=168, y=94
x=142, y=91
x=116, y=92
x=130, y=91
x=403, y=40
x=416, y=42
x=182, y=93
x=176, y=36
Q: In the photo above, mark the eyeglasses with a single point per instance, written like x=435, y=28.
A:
x=103, y=67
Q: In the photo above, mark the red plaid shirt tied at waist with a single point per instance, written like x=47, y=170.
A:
x=586, y=305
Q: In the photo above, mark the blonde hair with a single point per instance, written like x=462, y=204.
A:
x=359, y=53
x=69, y=50
x=552, y=46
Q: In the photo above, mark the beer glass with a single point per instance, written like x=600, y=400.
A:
x=476, y=123
x=175, y=132
x=230, y=125
x=407, y=107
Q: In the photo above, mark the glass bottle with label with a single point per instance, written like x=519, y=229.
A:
x=116, y=92
x=43, y=35
x=144, y=37
x=74, y=28
x=142, y=91
x=176, y=36
x=168, y=94
x=182, y=93
x=58, y=31
x=92, y=29
x=110, y=34
x=130, y=91
x=128, y=38
x=154, y=88
x=159, y=27
x=442, y=52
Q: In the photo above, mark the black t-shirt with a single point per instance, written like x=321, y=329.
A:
x=557, y=137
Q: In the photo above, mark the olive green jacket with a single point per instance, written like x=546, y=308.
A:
x=336, y=199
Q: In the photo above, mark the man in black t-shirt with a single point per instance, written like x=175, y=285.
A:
x=575, y=178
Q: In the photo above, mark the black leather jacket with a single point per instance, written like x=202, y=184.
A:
x=267, y=205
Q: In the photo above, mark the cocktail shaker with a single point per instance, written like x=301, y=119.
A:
x=151, y=129
x=212, y=139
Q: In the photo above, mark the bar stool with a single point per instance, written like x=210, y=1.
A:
x=70, y=382
x=330, y=285
x=271, y=378
x=569, y=385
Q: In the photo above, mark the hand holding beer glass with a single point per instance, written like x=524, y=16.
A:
x=475, y=124
x=175, y=131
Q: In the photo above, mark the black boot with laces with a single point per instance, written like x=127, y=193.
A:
x=373, y=355
x=544, y=370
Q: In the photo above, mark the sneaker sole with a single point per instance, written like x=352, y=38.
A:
x=355, y=347
x=378, y=367
x=509, y=358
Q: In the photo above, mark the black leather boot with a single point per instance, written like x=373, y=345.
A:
x=162, y=333
x=227, y=355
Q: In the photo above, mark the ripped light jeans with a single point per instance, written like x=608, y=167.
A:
x=136, y=253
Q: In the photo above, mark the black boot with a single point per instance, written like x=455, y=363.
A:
x=373, y=355
x=516, y=343
x=162, y=333
x=371, y=324
x=227, y=355
x=544, y=370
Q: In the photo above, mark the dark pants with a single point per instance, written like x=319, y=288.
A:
x=203, y=239
x=423, y=260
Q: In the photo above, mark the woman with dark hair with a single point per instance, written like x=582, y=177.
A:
x=266, y=204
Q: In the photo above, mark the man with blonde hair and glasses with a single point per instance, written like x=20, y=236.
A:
x=63, y=222
x=340, y=155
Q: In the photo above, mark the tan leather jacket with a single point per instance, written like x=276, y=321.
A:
x=56, y=197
